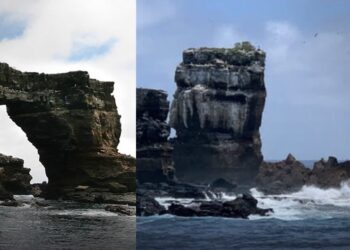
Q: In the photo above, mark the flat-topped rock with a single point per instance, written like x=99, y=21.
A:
x=217, y=111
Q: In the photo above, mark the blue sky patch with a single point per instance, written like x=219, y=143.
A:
x=82, y=52
x=10, y=28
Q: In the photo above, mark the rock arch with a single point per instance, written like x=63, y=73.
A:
x=73, y=122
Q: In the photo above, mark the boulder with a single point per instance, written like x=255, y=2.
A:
x=147, y=206
x=10, y=203
x=38, y=189
x=121, y=210
x=241, y=207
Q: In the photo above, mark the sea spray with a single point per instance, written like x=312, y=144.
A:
x=309, y=202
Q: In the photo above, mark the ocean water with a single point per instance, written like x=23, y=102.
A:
x=312, y=218
x=64, y=225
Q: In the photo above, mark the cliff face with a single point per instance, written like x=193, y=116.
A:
x=14, y=178
x=73, y=122
x=154, y=162
x=217, y=111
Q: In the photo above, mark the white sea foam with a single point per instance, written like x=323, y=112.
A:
x=166, y=201
x=24, y=198
x=86, y=212
x=309, y=202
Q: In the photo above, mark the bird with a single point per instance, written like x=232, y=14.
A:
x=316, y=34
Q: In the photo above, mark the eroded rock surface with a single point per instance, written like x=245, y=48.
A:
x=330, y=173
x=14, y=178
x=241, y=207
x=290, y=175
x=154, y=152
x=73, y=122
x=217, y=111
x=284, y=176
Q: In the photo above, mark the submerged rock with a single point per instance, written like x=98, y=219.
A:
x=121, y=210
x=154, y=163
x=73, y=122
x=10, y=203
x=14, y=178
x=217, y=111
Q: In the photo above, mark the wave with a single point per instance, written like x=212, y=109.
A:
x=85, y=212
x=310, y=202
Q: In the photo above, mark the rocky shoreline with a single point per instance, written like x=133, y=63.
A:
x=290, y=175
x=216, y=112
x=15, y=181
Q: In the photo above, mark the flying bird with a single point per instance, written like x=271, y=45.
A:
x=316, y=34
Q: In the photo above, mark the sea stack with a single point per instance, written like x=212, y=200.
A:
x=14, y=178
x=73, y=122
x=154, y=163
x=217, y=111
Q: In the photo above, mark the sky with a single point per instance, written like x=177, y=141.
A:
x=98, y=36
x=307, y=66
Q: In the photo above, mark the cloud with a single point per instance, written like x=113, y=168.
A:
x=82, y=51
x=227, y=36
x=98, y=36
x=147, y=16
x=311, y=66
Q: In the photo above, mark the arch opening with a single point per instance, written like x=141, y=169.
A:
x=14, y=142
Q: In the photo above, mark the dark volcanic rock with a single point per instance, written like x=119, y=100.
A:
x=326, y=174
x=217, y=111
x=121, y=210
x=10, y=203
x=14, y=178
x=222, y=185
x=147, y=206
x=172, y=189
x=291, y=175
x=73, y=122
x=154, y=162
x=4, y=194
x=241, y=207
x=282, y=177
x=38, y=189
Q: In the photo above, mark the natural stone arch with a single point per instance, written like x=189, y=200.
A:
x=73, y=122
x=14, y=142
